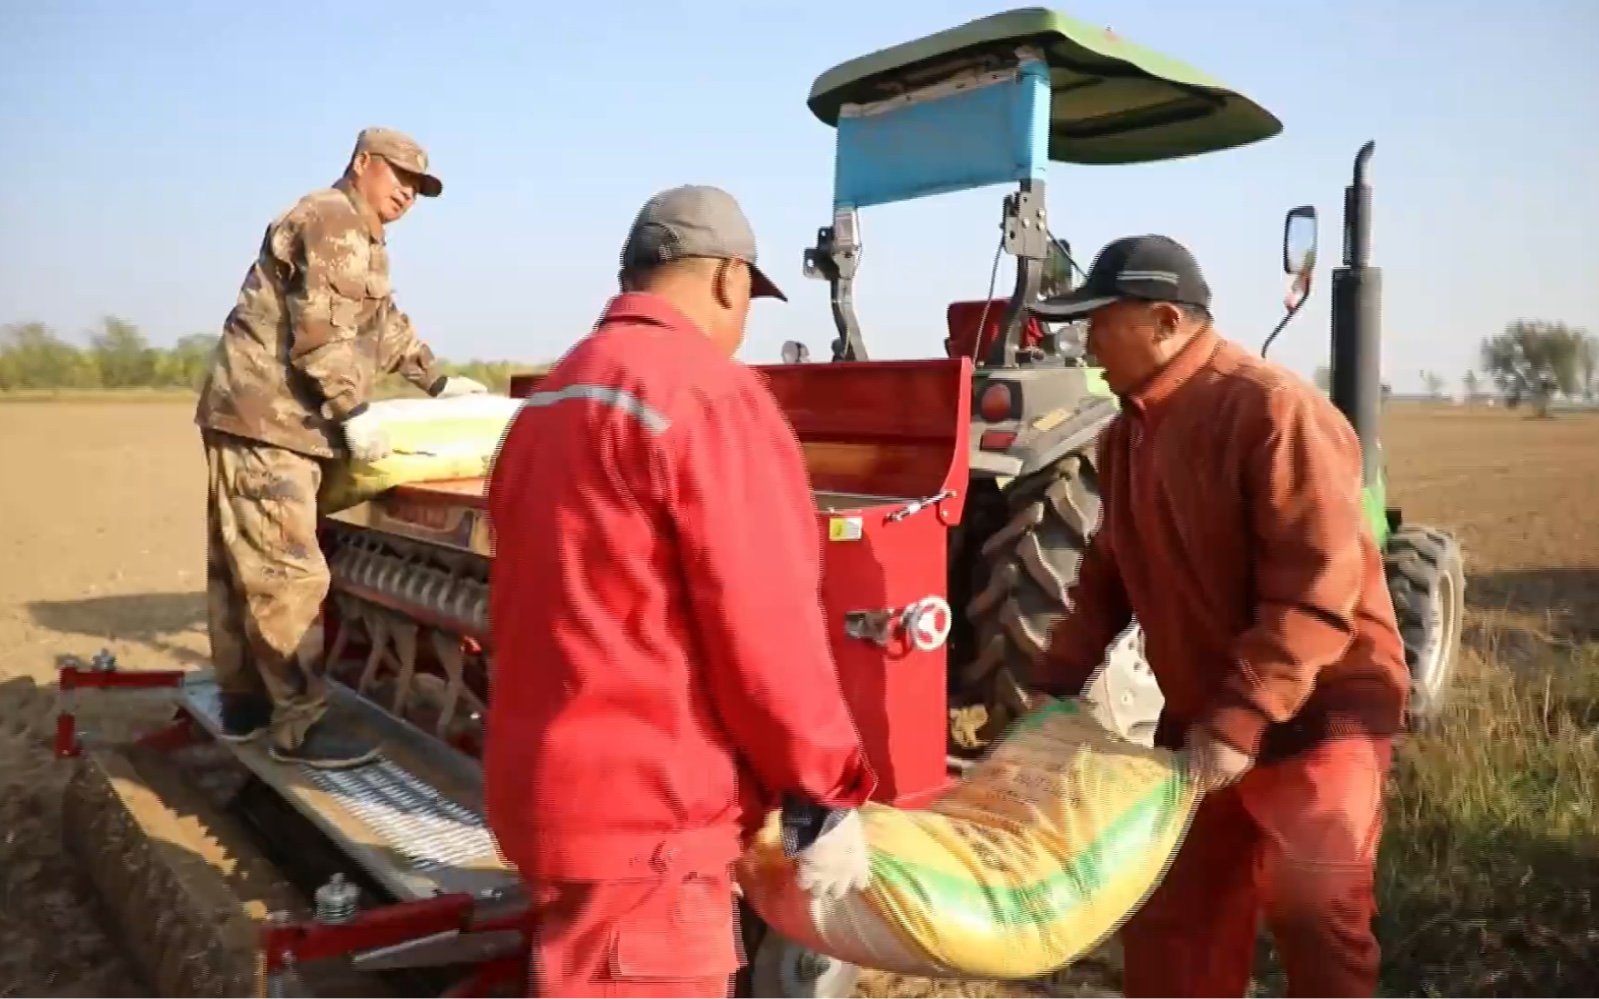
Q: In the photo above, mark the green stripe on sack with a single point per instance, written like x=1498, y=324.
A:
x=1126, y=839
x=1033, y=719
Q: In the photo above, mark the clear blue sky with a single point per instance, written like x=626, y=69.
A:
x=147, y=144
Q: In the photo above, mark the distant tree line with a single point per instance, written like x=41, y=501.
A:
x=1530, y=362
x=119, y=356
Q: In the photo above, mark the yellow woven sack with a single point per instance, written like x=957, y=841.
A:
x=1031, y=861
x=433, y=440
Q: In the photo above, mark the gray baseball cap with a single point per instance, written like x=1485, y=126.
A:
x=1143, y=268
x=695, y=221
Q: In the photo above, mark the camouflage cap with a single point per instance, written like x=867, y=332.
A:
x=402, y=151
x=695, y=221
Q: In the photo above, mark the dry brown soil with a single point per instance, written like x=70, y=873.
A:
x=101, y=546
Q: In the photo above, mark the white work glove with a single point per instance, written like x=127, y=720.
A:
x=838, y=863
x=366, y=437
x=455, y=385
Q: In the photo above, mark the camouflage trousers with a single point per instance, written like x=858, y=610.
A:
x=265, y=579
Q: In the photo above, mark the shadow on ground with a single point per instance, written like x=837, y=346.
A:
x=148, y=619
x=1566, y=599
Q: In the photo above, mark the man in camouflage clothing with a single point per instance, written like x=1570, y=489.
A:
x=313, y=330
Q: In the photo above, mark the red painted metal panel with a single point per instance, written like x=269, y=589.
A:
x=897, y=693
x=899, y=429
x=885, y=428
x=427, y=503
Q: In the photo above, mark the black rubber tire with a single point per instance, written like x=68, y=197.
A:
x=1426, y=580
x=1022, y=574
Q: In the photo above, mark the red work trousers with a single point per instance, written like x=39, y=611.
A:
x=675, y=935
x=1295, y=842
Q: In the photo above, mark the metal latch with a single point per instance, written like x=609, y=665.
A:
x=917, y=506
x=925, y=623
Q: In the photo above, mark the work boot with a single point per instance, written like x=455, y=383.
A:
x=329, y=749
x=244, y=716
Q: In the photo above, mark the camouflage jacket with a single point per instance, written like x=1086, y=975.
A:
x=313, y=329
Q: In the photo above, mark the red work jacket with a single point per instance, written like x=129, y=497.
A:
x=661, y=669
x=1233, y=529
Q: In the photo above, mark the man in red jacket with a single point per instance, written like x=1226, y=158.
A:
x=1233, y=530
x=662, y=676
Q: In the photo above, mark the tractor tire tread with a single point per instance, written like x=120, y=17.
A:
x=1415, y=562
x=1025, y=570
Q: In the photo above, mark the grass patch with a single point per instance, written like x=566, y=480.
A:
x=1490, y=860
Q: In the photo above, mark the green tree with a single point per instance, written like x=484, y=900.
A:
x=1533, y=360
x=1473, y=386
x=1588, y=367
x=1434, y=383
x=123, y=355
x=189, y=359
x=33, y=357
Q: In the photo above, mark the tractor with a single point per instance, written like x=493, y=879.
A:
x=957, y=482
x=993, y=102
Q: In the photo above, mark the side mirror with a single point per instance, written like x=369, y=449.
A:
x=1299, y=261
x=795, y=352
x=1299, y=253
x=1299, y=240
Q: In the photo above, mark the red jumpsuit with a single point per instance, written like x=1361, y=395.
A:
x=661, y=668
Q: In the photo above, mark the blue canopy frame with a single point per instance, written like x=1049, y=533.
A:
x=993, y=131
x=971, y=131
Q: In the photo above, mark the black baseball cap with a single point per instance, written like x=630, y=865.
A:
x=1145, y=268
x=695, y=221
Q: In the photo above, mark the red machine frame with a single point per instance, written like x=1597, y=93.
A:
x=893, y=437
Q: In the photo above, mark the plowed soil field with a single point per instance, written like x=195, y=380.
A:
x=101, y=546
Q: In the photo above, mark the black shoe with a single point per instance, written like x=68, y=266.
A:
x=329, y=749
x=244, y=716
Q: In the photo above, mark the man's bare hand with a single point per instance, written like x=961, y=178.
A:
x=1212, y=763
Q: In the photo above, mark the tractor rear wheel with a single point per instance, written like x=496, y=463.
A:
x=1426, y=580
x=1022, y=574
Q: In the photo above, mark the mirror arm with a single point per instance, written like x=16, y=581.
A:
x=1287, y=317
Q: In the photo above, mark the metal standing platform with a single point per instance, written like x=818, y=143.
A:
x=413, y=819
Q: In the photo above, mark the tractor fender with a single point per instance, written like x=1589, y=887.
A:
x=1083, y=426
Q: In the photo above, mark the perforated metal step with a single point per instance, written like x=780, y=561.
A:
x=412, y=819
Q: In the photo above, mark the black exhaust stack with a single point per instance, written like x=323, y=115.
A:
x=1357, y=322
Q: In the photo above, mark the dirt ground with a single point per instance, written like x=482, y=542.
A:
x=101, y=546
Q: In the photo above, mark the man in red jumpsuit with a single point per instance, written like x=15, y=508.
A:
x=662, y=676
x=1233, y=530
